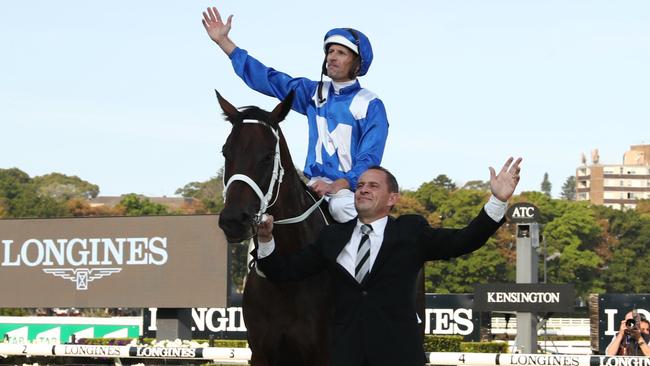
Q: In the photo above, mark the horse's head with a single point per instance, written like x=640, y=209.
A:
x=253, y=169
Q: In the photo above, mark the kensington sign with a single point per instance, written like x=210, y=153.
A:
x=524, y=297
x=162, y=261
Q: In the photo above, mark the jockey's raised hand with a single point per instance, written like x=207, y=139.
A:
x=218, y=30
x=503, y=184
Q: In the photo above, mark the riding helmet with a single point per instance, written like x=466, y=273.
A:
x=354, y=40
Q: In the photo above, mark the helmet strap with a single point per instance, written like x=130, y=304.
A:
x=320, y=83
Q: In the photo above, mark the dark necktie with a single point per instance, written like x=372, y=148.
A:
x=362, y=266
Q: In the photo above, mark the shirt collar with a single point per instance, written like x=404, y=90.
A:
x=378, y=226
x=342, y=85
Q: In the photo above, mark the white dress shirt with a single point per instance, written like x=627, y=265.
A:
x=348, y=256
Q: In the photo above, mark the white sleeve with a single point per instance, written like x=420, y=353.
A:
x=495, y=208
x=265, y=249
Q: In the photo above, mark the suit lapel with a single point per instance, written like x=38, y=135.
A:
x=391, y=238
x=340, y=237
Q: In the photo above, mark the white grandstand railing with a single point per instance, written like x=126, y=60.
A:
x=553, y=326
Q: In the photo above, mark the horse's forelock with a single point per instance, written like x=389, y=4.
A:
x=258, y=114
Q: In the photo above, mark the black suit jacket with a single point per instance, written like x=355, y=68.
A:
x=375, y=321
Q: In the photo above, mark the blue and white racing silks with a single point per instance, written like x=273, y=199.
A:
x=347, y=131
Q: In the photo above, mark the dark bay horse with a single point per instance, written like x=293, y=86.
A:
x=288, y=323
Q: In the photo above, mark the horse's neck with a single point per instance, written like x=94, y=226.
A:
x=293, y=197
x=293, y=200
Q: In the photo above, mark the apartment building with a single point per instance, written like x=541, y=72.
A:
x=615, y=185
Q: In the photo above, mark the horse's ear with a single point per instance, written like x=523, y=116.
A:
x=228, y=109
x=282, y=109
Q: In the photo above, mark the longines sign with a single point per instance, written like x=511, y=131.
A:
x=162, y=261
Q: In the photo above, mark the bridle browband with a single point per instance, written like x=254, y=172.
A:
x=276, y=177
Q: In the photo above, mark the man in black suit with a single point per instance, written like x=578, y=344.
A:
x=374, y=260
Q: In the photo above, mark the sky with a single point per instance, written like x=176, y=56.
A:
x=121, y=93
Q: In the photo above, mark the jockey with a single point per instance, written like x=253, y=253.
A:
x=347, y=124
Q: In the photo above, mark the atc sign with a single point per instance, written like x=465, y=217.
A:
x=523, y=212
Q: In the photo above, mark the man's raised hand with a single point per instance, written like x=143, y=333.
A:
x=503, y=184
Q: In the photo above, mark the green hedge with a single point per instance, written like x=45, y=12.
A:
x=484, y=347
x=434, y=343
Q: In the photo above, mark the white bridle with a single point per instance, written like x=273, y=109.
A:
x=276, y=177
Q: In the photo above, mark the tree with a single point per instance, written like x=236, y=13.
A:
x=63, y=187
x=478, y=185
x=458, y=275
x=643, y=208
x=574, y=235
x=433, y=193
x=78, y=207
x=209, y=193
x=443, y=181
x=19, y=197
x=134, y=205
x=461, y=207
x=628, y=270
x=569, y=189
x=546, y=185
x=408, y=204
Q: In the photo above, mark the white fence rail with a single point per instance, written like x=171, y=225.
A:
x=521, y=359
x=230, y=355
x=242, y=355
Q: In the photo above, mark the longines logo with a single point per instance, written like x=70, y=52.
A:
x=82, y=260
x=82, y=276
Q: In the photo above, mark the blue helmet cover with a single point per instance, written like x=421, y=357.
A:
x=354, y=40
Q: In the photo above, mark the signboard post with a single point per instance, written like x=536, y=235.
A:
x=526, y=216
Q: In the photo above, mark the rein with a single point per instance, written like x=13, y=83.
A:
x=276, y=177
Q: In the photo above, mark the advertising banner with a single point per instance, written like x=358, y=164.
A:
x=57, y=330
x=611, y=310
x=161, y=261
x=446, y=314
